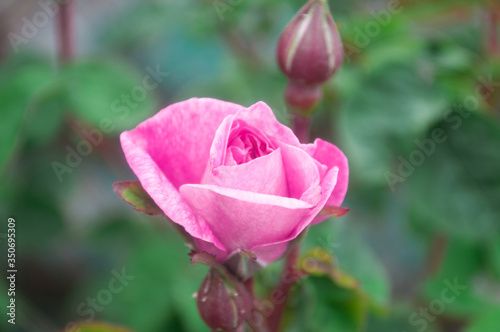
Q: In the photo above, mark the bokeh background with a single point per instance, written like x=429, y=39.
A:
x=415, y=107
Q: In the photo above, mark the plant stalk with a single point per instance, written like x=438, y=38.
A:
x=288, y=278
x=492, y=32
x=436, y=254
x=302, y=127
x=65, y=30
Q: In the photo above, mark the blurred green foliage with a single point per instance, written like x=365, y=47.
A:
x=407, y=76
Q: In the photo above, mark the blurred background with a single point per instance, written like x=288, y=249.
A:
x=415, y=107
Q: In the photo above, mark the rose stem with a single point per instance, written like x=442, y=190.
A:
x=66, y=43
x=65, y=30
x=301, y=127
x=436, y=253
x=255, y=326
x=288, y=278
x=492, y=35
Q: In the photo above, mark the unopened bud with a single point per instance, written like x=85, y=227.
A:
x=223, y=302
x=309, y=50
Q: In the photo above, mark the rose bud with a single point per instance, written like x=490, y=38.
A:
x=309, y=50
x=223, y=302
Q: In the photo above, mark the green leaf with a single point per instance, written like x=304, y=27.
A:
x=96, y=327
x=356, y=259
x=4, y=299
x=493, y=256
x=486, y=322
x=45, y=113
x=460, y=266
x=157, y=20
x=165, y=279
x=319, y=262
x=134, y=194
x=382, y=117
x=16, y=89
x=109, y=91
x=463, y=175
x=346, y=280
x=398, y=319
x=320, y=305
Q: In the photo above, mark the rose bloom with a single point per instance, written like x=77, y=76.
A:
x=234, y=177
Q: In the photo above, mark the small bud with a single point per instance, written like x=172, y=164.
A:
x=309, y=50
x=223, y=302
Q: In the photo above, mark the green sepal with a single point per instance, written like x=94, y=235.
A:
x=134, y=194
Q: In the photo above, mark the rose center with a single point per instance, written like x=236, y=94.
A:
x=246, y=143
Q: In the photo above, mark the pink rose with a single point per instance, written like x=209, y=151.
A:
x=234, y=177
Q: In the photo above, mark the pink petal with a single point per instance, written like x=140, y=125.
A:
x=201, y=246
x=302, y=174
x=265, y=175
x=171, y=149
x=262, y=117
x=163, y=192
x=331, y=156
x=268, y=254
x=246, y=220
x=327, y=187
x=179, y=137
x=219, y=144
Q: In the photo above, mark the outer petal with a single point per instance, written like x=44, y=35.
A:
x=331, y=156
x=201, y=245
x=179, y=137
x=172, y=148
x=302, y=174
x=245, y=220
x=256, y=222
x=268, y=254
x=327, y=187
